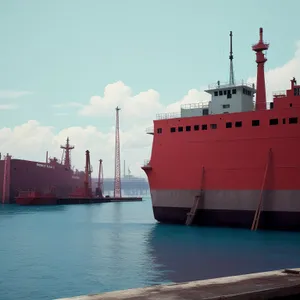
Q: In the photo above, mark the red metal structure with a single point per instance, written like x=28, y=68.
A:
x=86, y=190
x=100, y=186
x=261, y=102
x=66, y=160
x=117, y=183
x=88, y=171
x=229, y=162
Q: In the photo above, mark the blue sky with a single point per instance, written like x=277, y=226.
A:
x=68, y=51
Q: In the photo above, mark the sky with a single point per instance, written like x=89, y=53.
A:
x=65, y=65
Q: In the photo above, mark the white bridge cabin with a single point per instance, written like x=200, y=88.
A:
x=226, y=98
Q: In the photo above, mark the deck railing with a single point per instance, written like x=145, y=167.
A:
x=195, y=105
x=221, y=85
x=168, y=115
x=278, y=94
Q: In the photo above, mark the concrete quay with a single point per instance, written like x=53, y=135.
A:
x=280, y=284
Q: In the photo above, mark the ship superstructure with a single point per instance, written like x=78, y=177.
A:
x=231, y=161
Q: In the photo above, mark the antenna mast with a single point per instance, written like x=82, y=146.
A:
x=117, y=184
x=67, y=154
x=231, y=74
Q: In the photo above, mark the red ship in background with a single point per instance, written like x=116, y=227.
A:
x=231, y=162
x=38, y=179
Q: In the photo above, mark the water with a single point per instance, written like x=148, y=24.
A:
x=54, y=252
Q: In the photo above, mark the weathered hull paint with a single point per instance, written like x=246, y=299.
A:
x=272, y=220
x=280, y=210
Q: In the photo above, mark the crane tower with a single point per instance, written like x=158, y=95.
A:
x=117, y=183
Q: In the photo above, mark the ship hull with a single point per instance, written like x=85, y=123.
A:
x=26, y=175
x=229, y=208
x=36, y=201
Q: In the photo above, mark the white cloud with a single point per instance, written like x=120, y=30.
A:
x=7, y=106
x=134, y=108
x=13, y=94
x=137, y=113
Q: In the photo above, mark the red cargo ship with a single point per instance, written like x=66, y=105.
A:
x=17, y=175
x=233, y=162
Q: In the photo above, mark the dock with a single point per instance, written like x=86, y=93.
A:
x=280, y=284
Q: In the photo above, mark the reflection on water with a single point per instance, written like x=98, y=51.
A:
x=190, y=253
x=14, y=209
x=62, y=251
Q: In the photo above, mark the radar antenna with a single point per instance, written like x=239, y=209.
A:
x=231, y=74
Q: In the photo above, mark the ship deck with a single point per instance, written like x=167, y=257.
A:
x=281, y=284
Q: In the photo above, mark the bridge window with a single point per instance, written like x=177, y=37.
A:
x=228, y=125
x=204, y=127
x=247, y=92
x=226, y=105
x=188, y=128
x=297, y=91
x=273, y=122
x=293, y=120
x=234, y=91
x=225, y=92
x=180, y=129
x=255, y=122
x=159, y=130
x=173, y=129
x=216, y=93
x=220, y=93
x=196, y=127
x=213, y=126
x=238, y=124
x=228, y=95
x=271, y=105
x=205, y=111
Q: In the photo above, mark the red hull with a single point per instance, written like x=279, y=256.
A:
x=29, y=175
x=34, y=198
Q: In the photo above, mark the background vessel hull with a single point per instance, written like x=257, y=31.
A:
x=28, y=175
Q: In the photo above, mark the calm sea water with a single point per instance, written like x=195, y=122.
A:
x=54, y=252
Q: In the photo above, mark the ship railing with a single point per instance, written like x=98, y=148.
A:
x=220, y=85
x=195, y=105
x=150, y=130
x=268, y=104
x=278, y=94
x=168, y=115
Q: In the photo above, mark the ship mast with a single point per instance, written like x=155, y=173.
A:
x=231, y=72
x=67, y=156
x=261, y=102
